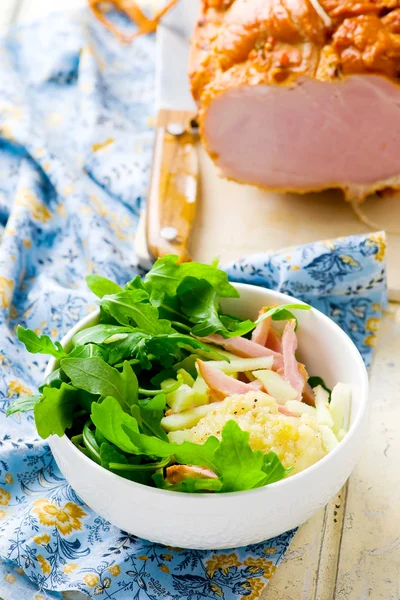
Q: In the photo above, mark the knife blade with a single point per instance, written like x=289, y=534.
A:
x=171, y=203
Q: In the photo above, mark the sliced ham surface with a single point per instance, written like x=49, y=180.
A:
x=274, y=341
x=265, y=335
x=291, y=370
x=243, y=348
x=300, y=96
x=284, y=411
x=222, y=384
x=308, y=395
x=260, y=333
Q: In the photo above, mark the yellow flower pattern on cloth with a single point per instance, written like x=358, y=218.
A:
x=4, y=497
x=44, y=564
x=66, y=519
x=223, y=562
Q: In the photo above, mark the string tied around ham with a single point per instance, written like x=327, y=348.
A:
x=321, y=12
x=131, y=9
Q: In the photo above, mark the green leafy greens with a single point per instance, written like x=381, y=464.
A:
x=109, y=391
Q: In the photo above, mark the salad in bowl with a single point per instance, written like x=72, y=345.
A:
x=170, y=391
x=183, y=389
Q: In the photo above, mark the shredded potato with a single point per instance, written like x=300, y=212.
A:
x=296, y=440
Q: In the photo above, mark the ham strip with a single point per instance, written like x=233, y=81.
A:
x=243, y=347
x=265, y=335
x=290, y=365
x=177, y=473
x=223, y=384
x=284, y=411
x=308, y=394
x=274, y=341
x=260, y=333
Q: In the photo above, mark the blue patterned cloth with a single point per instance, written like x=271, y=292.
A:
x=75, y=150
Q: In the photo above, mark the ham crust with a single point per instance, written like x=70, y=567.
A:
x=250, y=56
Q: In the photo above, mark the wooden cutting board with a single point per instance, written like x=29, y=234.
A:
x=235, y=220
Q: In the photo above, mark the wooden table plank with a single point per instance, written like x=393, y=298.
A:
x=369, y=562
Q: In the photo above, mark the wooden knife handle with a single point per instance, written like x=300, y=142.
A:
x=171, y=204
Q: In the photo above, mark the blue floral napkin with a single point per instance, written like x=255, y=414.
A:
x=75, y=150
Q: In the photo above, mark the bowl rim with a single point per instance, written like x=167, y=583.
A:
x=203, y=496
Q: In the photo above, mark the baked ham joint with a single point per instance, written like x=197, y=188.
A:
x=300, y=95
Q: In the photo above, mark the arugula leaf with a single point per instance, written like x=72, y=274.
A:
x=109, y=454
x=189, y=364
x=22, y=404
x=278, y=313
x=54, y=412
x=166, y=275
x=152, y=411
x=95, y=376
x=85, y=400
x=273, y=468
x=186, y=453
x=135, y=284
x=90, y=443
x=199, y=301
x=190, y=484
x=100, y=286
x=55, y=379
x=39, y=344
x=240, y=467
x=98, y=334
x=168, y=348
x=87, y=351
x=162, y=376
x=315, y=381
x=120, y=465
x=235, y=327
x=111, y=419
x=131, y=345
x=128, y=308
x=283, y=312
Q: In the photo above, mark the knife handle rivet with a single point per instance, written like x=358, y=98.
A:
x=176, y=129
x=170, y=234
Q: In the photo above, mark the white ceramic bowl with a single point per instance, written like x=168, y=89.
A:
x=213, y=521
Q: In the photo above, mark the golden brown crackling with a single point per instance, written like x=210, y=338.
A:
x=254, y=42
x=366, y=45
x=343, y=9
x=272, y=41
x=392, y=21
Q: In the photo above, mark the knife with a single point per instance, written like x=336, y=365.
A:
x=166, y=226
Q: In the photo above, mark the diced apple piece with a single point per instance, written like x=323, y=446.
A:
x=240, y=365
x=276, y=386
x=300, y=408
x=185, y=398
x=167, y=383
x=329, y=439
x=340, y=406
x=324, y=416
x=341, y=434
x=200, y=386
x=186, y=419
x=186, y=377
x=178, y=437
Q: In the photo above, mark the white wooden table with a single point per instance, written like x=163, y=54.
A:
x=351, y=549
